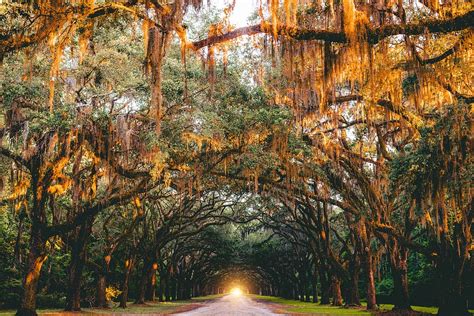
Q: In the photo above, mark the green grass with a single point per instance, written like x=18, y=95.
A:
x=207, y=298
x=328, y=310
x=424, y=309
x=148, y=308
x=290, y=306
x=294, y=306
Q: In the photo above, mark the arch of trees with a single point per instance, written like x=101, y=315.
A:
x=146, y=147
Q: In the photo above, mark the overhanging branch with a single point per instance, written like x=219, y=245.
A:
x=15, y=157
x=373, y=35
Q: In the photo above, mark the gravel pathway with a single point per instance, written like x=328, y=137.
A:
x=232, y=305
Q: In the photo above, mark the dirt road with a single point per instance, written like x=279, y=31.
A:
x=232, y=305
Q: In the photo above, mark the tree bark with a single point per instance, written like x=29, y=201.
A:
x=301, y=291
x=453, y=302
x=315, y=290
x=30, y=284
x=325, y=288
x=352, y=294
x=305, y=285
x=399, y=267
x=143, y=287
x=37, y=253
x=151, y=283
x=179, y=289
x=37, y=256
x=371, y=297
x=374, y=35
x=307, y=295
x=167, y=289
x=451, y=265
x=161, y=289
x=173, y=289
x=101, y=288
x=126, y=278
x=78, y=257
x=369, y=269
x=336, y=292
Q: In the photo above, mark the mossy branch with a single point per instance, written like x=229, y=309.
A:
x=374, y=35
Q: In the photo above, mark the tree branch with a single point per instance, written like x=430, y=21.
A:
x=92, y=210
x=17, y=158
x=440, y=57
x=373, y=35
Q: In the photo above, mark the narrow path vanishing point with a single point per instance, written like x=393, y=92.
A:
x=232, y=305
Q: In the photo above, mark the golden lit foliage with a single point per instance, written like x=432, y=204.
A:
x=159, y=164
x=212, y=143
x=20, y=189
x=112, y=292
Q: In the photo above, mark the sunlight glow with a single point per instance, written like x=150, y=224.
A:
x=236, y=291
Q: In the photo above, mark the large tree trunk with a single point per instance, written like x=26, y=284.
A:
x=352, y=292
x=36, y=258
x=401, y=298
x=371, y=298
x=352, y=297
x=151, y=285
x=336, y=292
x=161, y=288
x=37, y=253
x=451, y=265
x=141, y=292
x=167, y=288
x=315, y=289
x=300, y=290
x=314, y=282
x=30, y=284
x=73, y=297
x=173, y=289
x=146, y=275
x=453, y=302
x=102, y=274
x=305, y=285
x=126, y=278
x=325, y=287
x=179, y=288
x=78, y=257
x=189, y=289
x=101, y=288
x=366, y=251
x=197, y=292
x=307, y=295
x=399, y=267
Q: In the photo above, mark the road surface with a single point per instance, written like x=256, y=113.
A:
x=232, y=305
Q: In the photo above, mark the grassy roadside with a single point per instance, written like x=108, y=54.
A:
x=297, y=307
x=163, y=308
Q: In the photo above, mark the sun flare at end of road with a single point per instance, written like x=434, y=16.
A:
x=236, y=291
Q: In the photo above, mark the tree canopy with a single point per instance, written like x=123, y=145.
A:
x=150, y=149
